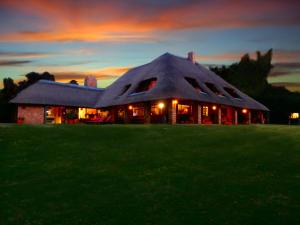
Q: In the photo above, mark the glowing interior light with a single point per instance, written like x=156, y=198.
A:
x=244, y=111
x=294, y=116
x=130, y=107
x=161, y=105
x=214, y=107
x=175, y=102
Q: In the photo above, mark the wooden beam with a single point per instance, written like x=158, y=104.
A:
x=219, y=116
x=147, y=112
x=199, y=116
x=236, y=117
x=249, y=117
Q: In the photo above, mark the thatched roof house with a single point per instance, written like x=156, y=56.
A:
x=174, y=76
x=168, y=89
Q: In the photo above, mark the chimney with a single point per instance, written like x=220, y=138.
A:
x=192, y=57
x=90, y=81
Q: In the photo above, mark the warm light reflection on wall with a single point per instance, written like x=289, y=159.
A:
x=174, y=102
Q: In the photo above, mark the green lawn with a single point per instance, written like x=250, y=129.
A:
x=156, y=175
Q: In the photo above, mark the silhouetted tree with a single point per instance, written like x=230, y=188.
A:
x=7, y=111
x=9, y=88
x=33, y=77
x=73, y=82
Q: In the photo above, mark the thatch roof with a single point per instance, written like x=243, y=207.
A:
x=170, y=72
x=46, y=92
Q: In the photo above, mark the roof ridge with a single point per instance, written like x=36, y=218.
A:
x=70, y=85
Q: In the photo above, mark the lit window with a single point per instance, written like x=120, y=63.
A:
x=205, y=110
x=195, y=84
x=214, y=89
x=184, y=109
x=137, y=111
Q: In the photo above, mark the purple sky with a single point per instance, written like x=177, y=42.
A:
x=104, y=38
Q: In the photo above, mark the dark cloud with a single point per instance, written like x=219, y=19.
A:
x=14, y=62
x=23, y=54
x=292, y=65
x=283, y=69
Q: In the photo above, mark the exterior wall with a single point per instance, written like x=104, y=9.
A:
x=32, y=114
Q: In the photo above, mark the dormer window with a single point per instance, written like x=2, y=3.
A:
x=214, y=89
x=232, y=92
x=125, y=89
x=145, y=85
x=193, y=82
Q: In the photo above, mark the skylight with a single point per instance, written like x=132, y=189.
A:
x=145, y=85
x=194, y=84
x=214, y=89
x=232, y=92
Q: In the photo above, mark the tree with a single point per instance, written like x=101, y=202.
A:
x=73, y=82
x=9, y=88
x=33, y=77
x=7, y=111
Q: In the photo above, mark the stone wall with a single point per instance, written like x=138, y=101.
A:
x=32, y=114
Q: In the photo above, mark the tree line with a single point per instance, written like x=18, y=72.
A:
x=250, y=76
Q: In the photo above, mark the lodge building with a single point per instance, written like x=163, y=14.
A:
x=170, y=89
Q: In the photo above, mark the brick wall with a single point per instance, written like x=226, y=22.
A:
x=31, y=114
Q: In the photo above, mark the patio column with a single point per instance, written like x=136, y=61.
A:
x=199, y=117
x=113, y=115
x=147, y=112
x=262, y=119
x=236, y=117
x=249, y=117
x=126, y=115
x=219, y=115
x=172, y=111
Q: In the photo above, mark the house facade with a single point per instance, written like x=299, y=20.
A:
x=170, y=89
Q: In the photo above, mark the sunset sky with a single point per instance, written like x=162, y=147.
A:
x=72, y=39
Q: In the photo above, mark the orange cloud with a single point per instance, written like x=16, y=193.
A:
x=103, y=74
x=139, y=20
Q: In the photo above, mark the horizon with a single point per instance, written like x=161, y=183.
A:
x=74, y=39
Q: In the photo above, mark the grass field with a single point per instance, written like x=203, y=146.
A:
x=156, y=175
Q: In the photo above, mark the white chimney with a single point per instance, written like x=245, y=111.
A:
x=192, y=57
x=90, y=81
